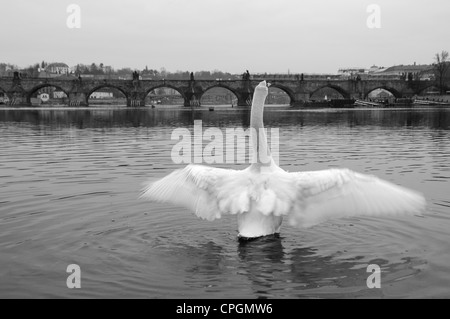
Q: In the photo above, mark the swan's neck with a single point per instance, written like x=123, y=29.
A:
x=261, y=153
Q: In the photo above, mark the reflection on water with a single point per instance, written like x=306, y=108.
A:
x=118, y=117
x=70, y=178
x=267, y=264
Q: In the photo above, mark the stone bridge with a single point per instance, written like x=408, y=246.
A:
x=78, y=90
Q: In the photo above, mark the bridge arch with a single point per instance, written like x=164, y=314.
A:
x=165, y=86
x=106, y=85
x=340, y=90
x=221, y=86
x=105, y=97
x=428, y=88
x=286, y=90
x=164, y=98
x=393, y=91
x=41, y=86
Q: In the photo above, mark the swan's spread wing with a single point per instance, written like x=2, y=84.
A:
x=207, y=191
x=335, y=193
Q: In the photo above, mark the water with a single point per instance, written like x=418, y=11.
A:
x=70, y=181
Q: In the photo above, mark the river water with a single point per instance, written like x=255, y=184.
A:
x=70, y=181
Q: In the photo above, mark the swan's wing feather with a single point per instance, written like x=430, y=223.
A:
x=334, y=193
x=207, y=191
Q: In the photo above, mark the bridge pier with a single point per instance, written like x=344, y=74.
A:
x=300, y=98
x=136, y=99
x=357, y=96
x=245, y=99
x=131, y=102
x=77, y=99
x=192, y=99
x=191, y=102
x=18, y=98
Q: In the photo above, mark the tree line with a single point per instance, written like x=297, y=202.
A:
x=101, y=70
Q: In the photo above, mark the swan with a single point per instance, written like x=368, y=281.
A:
x=263, y=194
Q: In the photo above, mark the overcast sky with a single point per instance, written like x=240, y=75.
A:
x=314, y=36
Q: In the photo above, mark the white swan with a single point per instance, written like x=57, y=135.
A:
x=262, y=194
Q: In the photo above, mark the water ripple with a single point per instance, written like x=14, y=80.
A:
x=70, y=181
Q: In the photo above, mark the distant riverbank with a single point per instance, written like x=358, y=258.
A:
x=436, y=98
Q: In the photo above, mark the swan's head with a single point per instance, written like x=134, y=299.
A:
x=263, y=85
x=261, y=91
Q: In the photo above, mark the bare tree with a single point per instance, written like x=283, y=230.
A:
x=441, y=67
